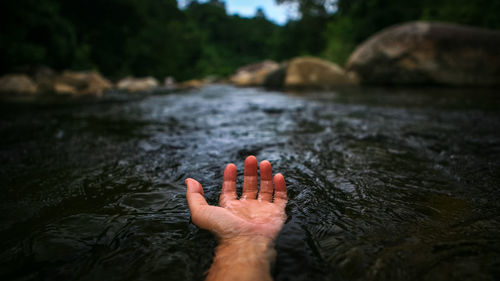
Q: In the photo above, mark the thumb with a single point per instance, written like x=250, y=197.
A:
x=195, y=199
x=193, y=186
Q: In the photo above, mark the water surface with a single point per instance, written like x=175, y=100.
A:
x=384, y=184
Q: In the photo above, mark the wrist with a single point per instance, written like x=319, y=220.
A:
x=247, y=249
x=247, y=257
x=259, y=241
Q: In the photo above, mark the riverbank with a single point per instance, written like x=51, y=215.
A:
x=410, y=54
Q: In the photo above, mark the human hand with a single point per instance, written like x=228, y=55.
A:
x=256, y=213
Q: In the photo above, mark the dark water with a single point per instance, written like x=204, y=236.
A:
x=383, y=184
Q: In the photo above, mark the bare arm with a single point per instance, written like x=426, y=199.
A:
x=244, y=258
x=245, y=227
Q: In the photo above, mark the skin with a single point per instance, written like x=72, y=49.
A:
x=245, y=227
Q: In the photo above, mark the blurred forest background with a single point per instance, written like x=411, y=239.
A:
x=156, y=38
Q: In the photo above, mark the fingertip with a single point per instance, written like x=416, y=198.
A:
x=230, y=172
x=251, y=158
x=265, y=164
x=266, y=172
x=250, y=166
x=193, y=186
x=279, y=182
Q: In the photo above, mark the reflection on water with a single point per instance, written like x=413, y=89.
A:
x=383, y=184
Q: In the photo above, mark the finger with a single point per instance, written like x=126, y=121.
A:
x=280, y=194
x=250, y=178
x=200, y=210
x=228, y=185
x=266, y=181
x=195, y=198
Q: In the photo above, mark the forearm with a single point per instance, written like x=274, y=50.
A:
x=243, y=258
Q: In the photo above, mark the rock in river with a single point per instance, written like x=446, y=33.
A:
x=81, y=83
x=132, y=84
x=429, y=53
x=253, y=74
x=192, y=84
x=45, y=77
x=309, y=72
x=17, y=83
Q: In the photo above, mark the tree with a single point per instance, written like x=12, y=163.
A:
x=34, y=33
x=259, y=13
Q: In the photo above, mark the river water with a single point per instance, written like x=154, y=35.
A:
x=384, y=184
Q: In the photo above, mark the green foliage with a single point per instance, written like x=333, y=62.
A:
x=32, y=34
x=132, y=37
x=340, y=40
x=352, y=21
x=357, y=19
x=230, y=41
x=484, y=13
x=155, y=37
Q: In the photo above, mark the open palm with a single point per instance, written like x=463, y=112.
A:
x=256, y=212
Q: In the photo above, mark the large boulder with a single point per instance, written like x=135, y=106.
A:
x=132, y=84
x=309, y=72
x=314, y=72
x=429, y=53
x=276, y=79
x=17, y=83
x=253, y=74
x=65, y=89
x=81, y=83
x=97, y=84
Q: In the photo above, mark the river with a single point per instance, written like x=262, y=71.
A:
x=384, y=184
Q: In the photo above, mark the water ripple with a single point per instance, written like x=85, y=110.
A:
x=383, y=184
